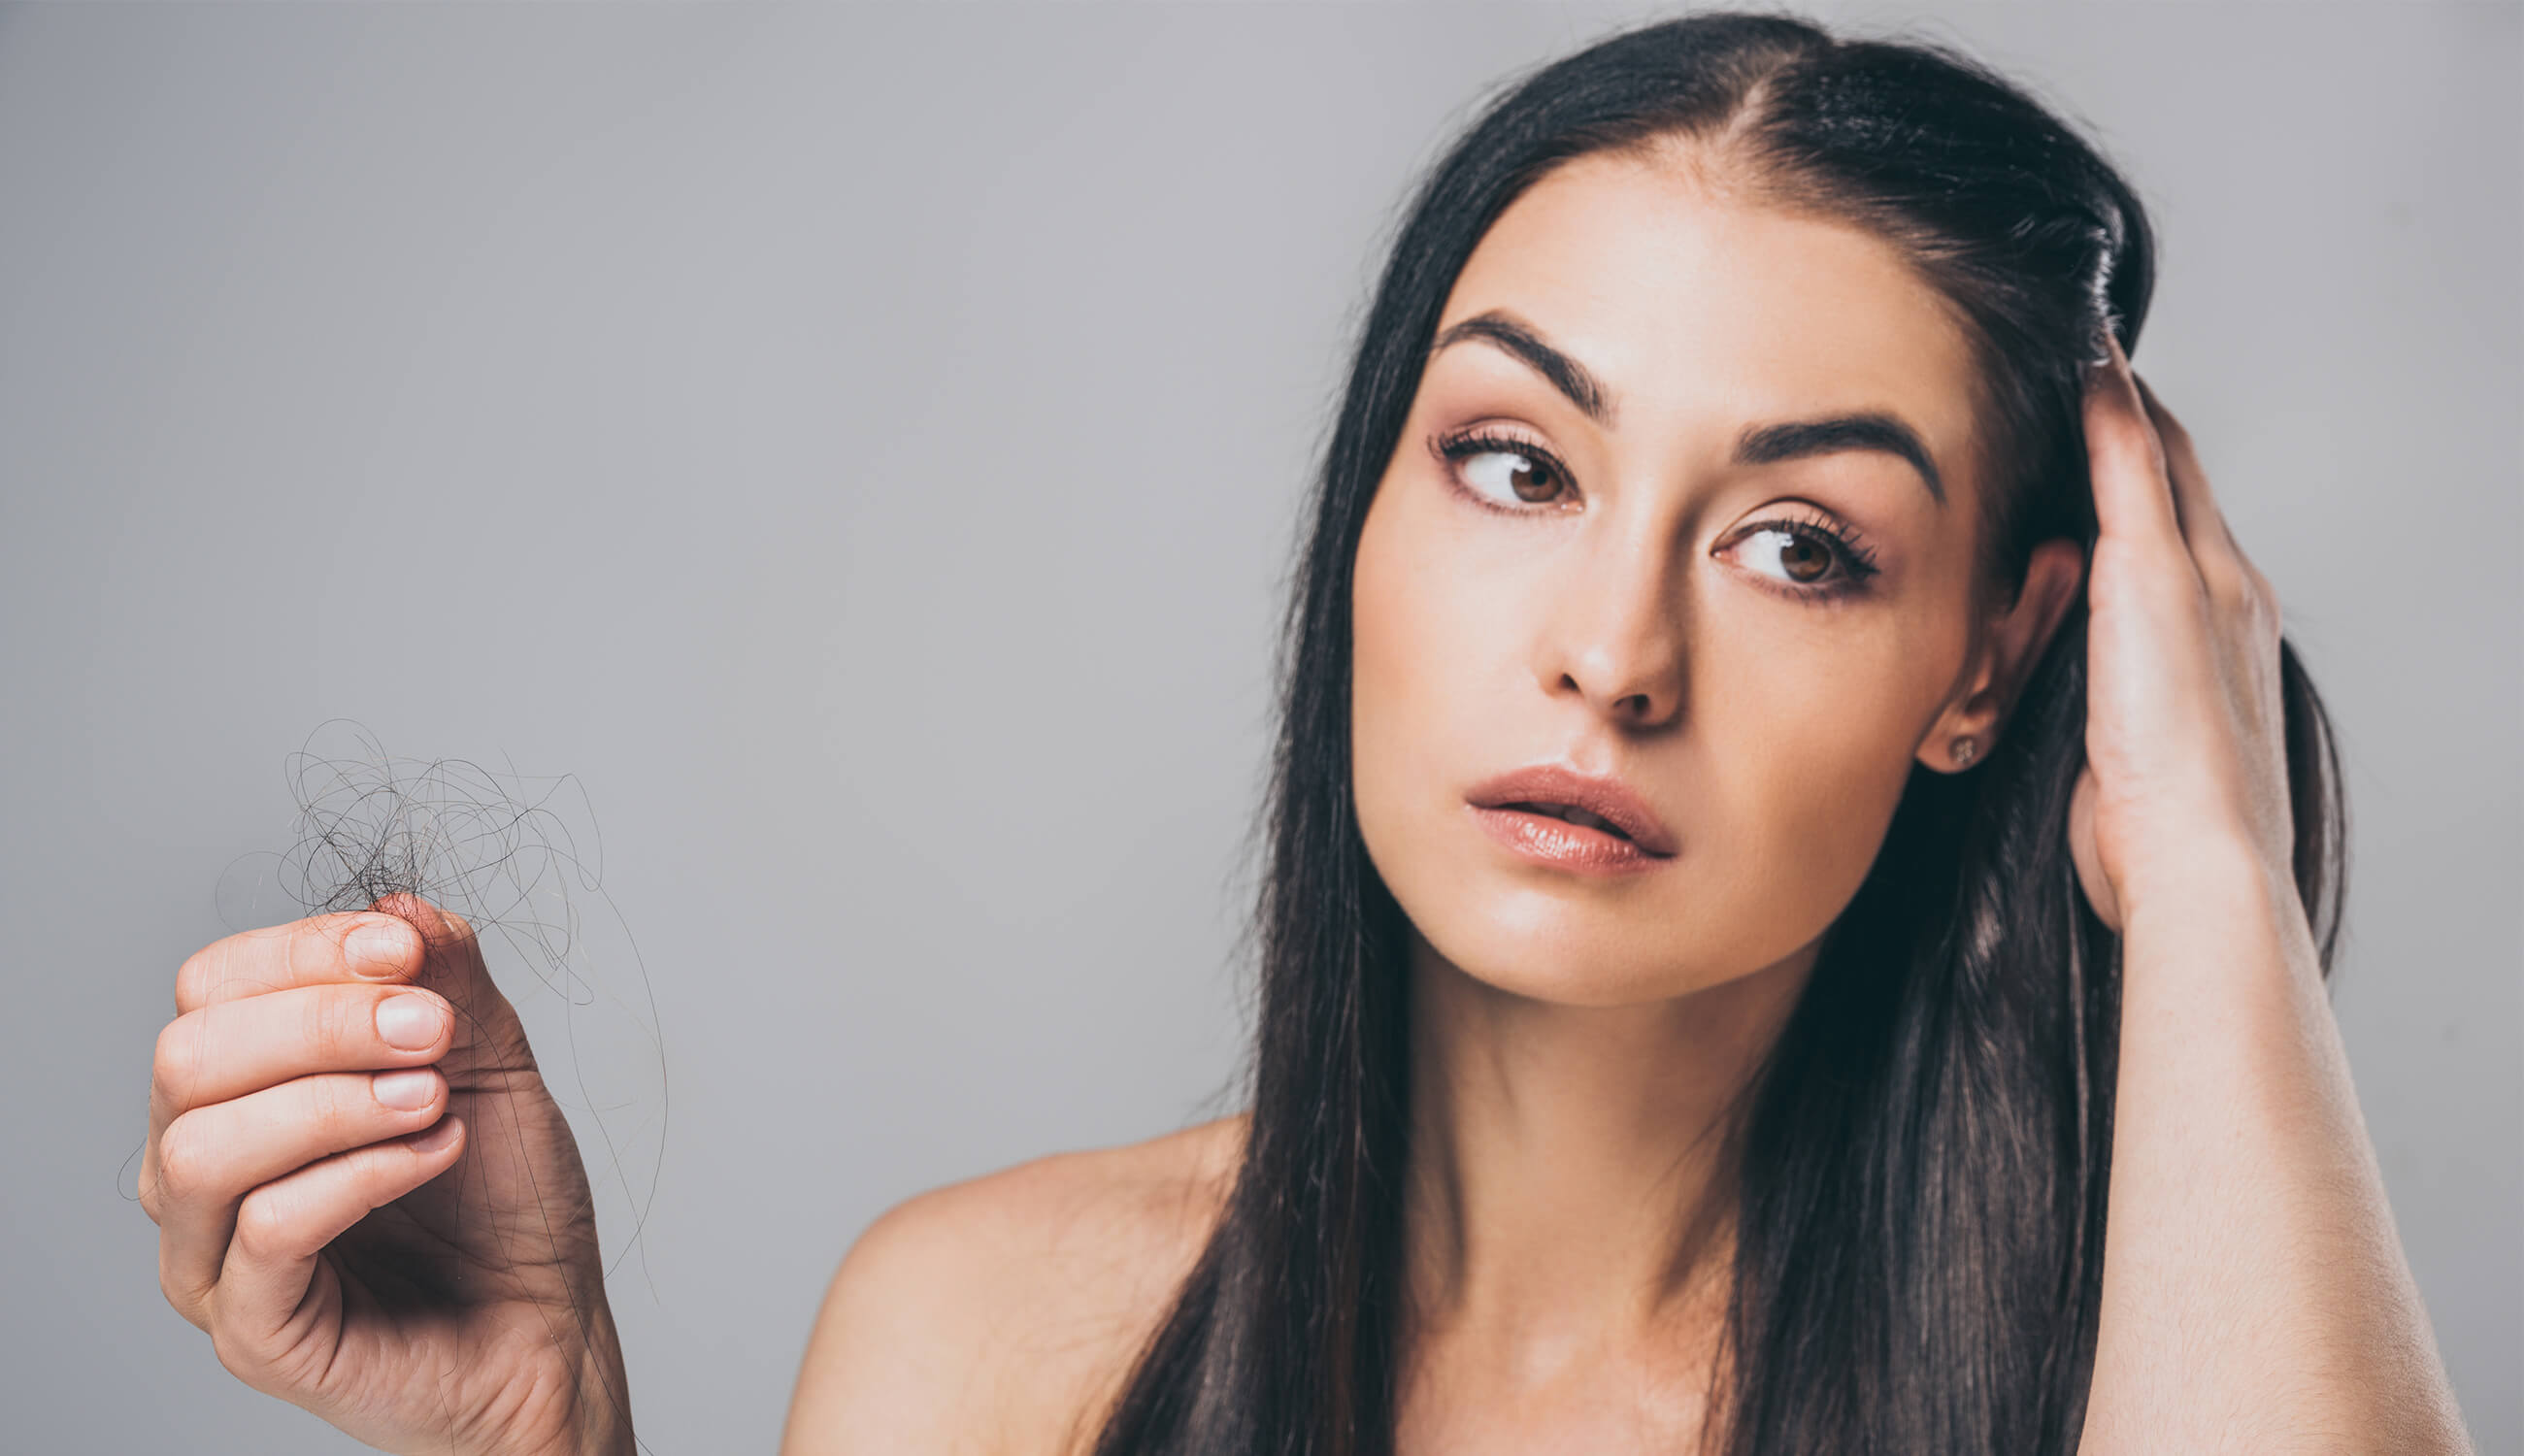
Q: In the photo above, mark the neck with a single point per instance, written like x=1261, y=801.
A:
x=1573, y=1168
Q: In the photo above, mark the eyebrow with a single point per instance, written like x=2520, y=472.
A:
x=1870, y=430
x=1514, y=335
x=1760, y=445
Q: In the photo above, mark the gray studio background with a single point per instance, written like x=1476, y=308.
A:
x=862, y=446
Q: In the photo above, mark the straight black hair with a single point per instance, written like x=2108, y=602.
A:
x=1922, y=1155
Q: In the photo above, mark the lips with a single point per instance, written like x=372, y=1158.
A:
x=1603, y=805
x=1570, y=815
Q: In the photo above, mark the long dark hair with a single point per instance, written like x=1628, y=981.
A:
x=1923, y=1153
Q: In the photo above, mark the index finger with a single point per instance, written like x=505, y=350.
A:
x=321, y=950
x=2133, y=495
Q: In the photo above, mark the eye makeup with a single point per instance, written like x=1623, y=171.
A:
x=1849, y=558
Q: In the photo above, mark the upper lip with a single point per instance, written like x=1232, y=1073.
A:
x=1608, y=800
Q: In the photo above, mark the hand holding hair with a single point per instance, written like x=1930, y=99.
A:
x=2186, y=753
x=367, y=1197
x=2256, y=1295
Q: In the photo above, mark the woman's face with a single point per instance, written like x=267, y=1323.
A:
x=1603, y=544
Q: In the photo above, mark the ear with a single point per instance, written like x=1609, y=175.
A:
x=2007, y=649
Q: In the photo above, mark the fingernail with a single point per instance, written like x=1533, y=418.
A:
x=411, y=1022
x=408, y=1090
x=441, y=1134
x=379, y=948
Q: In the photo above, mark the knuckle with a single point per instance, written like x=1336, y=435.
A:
x=180, y=1162
x=176, y=1060
x=2174, y=584
x=2225, y=586
x=2251, y=595
x=182, y=1294
x=153, y=1198
x=333, y=1112
x=315, y=946
x=2267, y=608
x=199, y=975
x=2199, y=598
x=237, y=1355
x=262, y=1225
x=2131, y=446
x=330, y=1025
x=367, y=1165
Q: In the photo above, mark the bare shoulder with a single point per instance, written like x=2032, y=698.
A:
x=1001, y=1313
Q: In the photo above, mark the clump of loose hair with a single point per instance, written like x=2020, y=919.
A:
x=514, y=856
x=520, y=861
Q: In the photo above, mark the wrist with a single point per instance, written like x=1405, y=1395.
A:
x=2216, y=876
x=605, y=1400
x=583, y=1407
x=2231, y=902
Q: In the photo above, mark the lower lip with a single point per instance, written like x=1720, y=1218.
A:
x=1562, y=845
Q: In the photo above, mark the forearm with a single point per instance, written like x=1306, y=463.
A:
x=2255, y=1294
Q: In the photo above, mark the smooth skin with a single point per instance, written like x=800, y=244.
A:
x=1567, y=1214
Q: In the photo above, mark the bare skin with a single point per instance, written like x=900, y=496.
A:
x=1600, y=581
x=999, y=1315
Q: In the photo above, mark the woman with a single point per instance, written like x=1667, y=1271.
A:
x=1788, y=793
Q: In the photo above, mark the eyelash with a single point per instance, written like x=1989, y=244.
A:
x=1856, y=558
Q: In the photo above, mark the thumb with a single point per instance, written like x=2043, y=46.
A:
x=488, y=1033
x=2081, y=850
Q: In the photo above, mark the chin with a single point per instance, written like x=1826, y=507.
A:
x=1558, y=963
x=1530, y=941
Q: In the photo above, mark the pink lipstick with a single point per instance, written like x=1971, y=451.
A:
x=1553, y=815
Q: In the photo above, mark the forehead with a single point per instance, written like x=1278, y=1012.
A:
x=1688, y=301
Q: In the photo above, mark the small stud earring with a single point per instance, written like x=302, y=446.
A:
x=1965, y=750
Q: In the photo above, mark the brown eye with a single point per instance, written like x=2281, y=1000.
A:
x=1794, y=557
x=1804, y=560
x=1808, y=558
x=1498, y=474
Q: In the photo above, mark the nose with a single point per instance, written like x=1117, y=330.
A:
x=1613, y=633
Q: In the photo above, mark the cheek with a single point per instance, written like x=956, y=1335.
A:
x=1433, y=681
x=1809, y=742
x=1413, y=655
